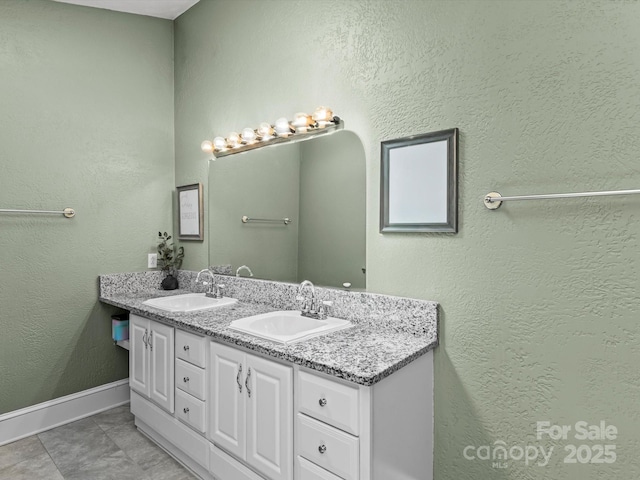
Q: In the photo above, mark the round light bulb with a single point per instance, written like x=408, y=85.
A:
x=283, y=129
x=207, y=146
x=219, y=143
x=248, y=135
x=301, y=122
x=265, y=131
x=233, y=139
x=322, y=116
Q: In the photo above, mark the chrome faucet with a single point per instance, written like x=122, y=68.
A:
x=307, y=306
x=244, y=267
x=311, y=308
x=213, y=290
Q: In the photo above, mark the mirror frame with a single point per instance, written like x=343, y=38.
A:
x=449, y=199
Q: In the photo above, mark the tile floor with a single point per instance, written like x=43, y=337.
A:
x=103, y=447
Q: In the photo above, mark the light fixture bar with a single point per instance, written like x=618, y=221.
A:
x=293, y=137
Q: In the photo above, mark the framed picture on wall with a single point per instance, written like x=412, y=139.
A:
x=190, y=212
x=419, y=184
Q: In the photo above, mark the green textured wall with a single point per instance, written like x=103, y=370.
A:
x=86, y=115
x=539, y=300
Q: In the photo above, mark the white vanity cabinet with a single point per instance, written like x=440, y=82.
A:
x=151, y=361
x=242, y=416
x=354, y=432
x=167, y=369
x=250, y=415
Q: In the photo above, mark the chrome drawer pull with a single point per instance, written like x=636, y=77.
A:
x=238, y=379
x=322, y=402
x=185, y=409
x=186, y=348
x=322, y=449
x=185, y=379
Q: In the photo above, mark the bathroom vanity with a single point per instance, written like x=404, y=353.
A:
x=356, y=404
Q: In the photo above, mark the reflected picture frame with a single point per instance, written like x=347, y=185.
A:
x=419, y=183
x=190, y=212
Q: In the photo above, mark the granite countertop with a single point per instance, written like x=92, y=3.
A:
x=363, y=354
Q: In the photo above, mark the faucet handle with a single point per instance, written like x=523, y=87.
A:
x=305, y=304
x=220, y=290
x=323, y=311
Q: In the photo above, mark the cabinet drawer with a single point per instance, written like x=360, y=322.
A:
x=191, y=348
x=190, y=410
x=328, y=401
x=310, y=471
x=328, y=447
x=190, y=379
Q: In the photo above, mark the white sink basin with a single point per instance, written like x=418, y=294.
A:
x=189, y=302
x=287, y=326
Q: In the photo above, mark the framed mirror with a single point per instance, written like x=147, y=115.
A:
x=418, y=183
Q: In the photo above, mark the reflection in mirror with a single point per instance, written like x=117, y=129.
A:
x=319, y=184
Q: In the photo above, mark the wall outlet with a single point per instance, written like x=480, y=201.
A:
x=152, y=260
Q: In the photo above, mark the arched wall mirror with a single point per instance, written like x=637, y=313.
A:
x=319, y=185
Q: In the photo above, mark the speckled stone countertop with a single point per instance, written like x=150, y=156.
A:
x=388, y=333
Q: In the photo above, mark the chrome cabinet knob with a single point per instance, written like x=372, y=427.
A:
x=322, y=449
x=322, y=402
x=185, y=409
x=185, y=379
x=186, y=348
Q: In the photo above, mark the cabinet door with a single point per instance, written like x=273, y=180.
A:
x=227, y=399
x=161, y=349
x=270, y=418
x=138, y=354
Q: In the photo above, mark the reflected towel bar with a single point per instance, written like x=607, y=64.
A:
x=286, y=221
x=67, y=212
x=493, y=200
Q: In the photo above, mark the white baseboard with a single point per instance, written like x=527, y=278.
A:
x=60, y=411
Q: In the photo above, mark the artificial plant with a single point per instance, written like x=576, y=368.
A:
x=169, y=259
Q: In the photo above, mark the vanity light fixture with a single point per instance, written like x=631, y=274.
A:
x=302, y=127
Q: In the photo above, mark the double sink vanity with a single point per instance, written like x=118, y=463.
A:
x=244, y=387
